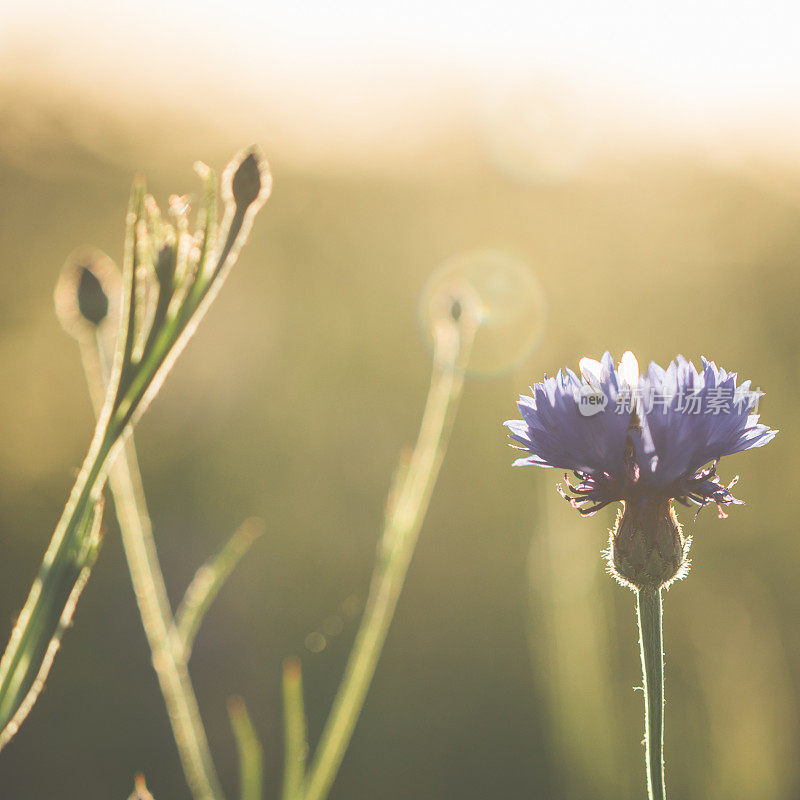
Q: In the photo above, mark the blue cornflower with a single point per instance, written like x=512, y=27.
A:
x=622, y=433
x=643, y=440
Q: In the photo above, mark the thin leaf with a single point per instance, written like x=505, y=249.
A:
x=251, y=756
x=208, y=581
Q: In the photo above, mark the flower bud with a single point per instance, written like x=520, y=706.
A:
x=92, y=300
x=88, y=293
x=647, y=548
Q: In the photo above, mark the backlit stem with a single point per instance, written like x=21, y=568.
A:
x=168, y=652
x=651, y=642
x=407, y=508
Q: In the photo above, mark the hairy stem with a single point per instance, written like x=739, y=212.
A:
x=168, y=652
x=651, y=642
x=406, y=510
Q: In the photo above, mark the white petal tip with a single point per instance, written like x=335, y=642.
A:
x=629, y=369
x=591, y=370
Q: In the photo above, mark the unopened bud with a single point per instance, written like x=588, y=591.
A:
x=246, y=183
x=92, y=300
x=647, y=547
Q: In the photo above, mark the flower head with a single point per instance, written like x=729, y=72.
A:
x=624, y=434
x=644, y=440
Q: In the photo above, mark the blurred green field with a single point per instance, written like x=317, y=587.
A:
x=510, y=665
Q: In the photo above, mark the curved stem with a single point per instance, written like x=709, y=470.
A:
x=208, y=581
x=651, y=643
x=406, y=510
x=168, y=653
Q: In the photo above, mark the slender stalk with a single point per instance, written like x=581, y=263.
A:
x=407, y=507
x=146, y=348
x=651, y=643
x=208, y=580
x=251, y=757
x=48, y=610
x=168, y=652
x=295, y=732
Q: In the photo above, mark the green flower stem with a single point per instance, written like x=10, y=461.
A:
x=168, y=651
x=48, y=610
x=651, y=642
x=406, y=510
x=145, y=351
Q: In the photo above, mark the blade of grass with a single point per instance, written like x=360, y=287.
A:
x=251, y=757
x=295, y=734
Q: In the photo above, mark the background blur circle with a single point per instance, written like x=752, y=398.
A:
x=511, y=306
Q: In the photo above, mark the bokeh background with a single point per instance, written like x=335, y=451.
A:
x=642, y=161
